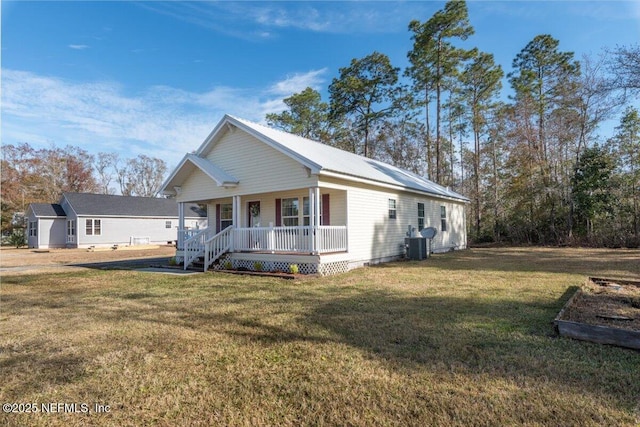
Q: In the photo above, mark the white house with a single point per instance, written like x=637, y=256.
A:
x=81, y=220
x=280, y=199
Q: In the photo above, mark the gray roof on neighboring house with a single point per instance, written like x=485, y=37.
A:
x=85, y=204
x=47, y=210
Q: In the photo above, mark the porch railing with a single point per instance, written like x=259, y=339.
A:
x=194, y=246
x=186, y=234
x=301, y=239
x=331, y=238
x=217, y=246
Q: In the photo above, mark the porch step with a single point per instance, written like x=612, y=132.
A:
x=198, y=264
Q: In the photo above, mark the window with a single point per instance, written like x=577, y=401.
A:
x=306, y=217
x=33, y=228
x=392, y=208
x=71, y=227
x=420, y=216
x=290, y=212
x=93, y=227
x=226, y=215
x=443, y=218
x=167, y=224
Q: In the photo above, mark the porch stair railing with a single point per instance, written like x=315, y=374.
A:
x=217, y=246
x=194, y=246
x=210, y=247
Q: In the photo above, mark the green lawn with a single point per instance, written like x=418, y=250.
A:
x=463, y=339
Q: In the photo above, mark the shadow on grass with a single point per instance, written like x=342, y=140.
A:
x=125, y=264
x=508, y=339
x=503, y=337
x=625, y=262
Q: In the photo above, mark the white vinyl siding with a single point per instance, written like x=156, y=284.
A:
x=372, y=235
x=121, y=231
x=258, y=168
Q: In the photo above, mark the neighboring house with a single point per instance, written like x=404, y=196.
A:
x=82, y=220
x=279, y=199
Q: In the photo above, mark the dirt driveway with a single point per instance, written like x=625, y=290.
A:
x=32, y=261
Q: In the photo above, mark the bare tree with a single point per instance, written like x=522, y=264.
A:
x=103, y=166
x=145, y=175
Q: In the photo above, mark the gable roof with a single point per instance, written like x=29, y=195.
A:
x=324, y=159
x=47, y=210
x=190, y=162
x=87, y=204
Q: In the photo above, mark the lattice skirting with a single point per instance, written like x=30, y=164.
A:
x=304, y=268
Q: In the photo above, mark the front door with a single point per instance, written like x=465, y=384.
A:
x=253, y=212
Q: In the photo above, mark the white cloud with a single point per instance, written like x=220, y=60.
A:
x=78, y=46
x=161, y=121
x=298, y=82
x=258, y=21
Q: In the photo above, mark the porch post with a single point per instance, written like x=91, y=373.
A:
x=180, y=226
x=235, y=217
x=316, y=219
x=235, y=205
x=312, y=221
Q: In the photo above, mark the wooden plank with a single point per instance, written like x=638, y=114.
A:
x=599, y=334
x=596, y=333
x=595, y=280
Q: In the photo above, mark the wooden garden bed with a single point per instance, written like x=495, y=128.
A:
x=605, y=311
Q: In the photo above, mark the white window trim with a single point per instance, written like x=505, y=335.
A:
x=443, y=218
x=421, y=226
x=306, y=211
x=226, y=222
x=93, y=222
x=393, y=208
x=290, y=218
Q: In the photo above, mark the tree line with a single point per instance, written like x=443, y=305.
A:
x=535, y=168
x=31, y=175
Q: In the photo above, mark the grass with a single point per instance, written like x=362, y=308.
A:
x=462, y=339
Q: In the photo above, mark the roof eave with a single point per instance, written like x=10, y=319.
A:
x=170, y=188
x=355, y=178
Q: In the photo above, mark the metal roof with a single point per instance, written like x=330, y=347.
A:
x=324, y=158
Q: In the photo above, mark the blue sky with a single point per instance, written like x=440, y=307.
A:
x=155, y=77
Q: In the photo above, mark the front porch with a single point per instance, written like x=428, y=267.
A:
x=293, y=245
x=281, y=226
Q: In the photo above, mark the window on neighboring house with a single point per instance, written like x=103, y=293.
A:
x=93, y=227
x=443, y=218
x=167, y=224
x=226, y=215
x=71, y=227
x=290, y=212
x=33, y=228
x=392, y=209
x=420, y=216
x=306, y=209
